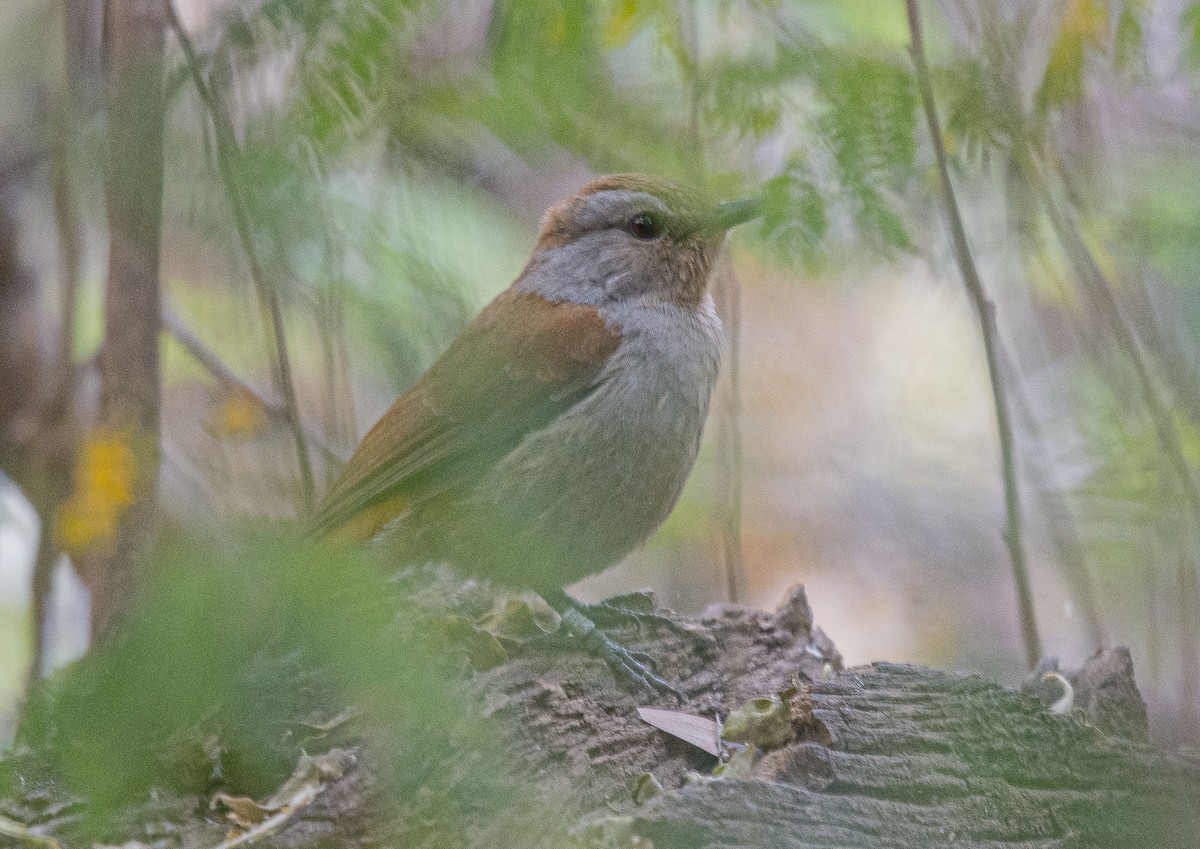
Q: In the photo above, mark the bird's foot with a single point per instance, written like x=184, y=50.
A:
x=637, y=608
x=631, y=667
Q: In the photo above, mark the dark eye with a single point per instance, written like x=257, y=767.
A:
x=645, y=226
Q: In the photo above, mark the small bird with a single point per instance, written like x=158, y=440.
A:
x=555, y=433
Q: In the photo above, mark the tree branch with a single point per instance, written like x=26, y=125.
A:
x=130, y=394
x=986, y=311
x=228, y=151
x=224, y=375
x=1088, y=271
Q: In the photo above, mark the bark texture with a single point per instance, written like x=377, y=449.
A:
x=883, y=755
x=130, y=390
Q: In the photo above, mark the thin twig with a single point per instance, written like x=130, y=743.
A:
x=1189, y=662
x=331, y=323
x=1062, y=533
x=730, y=441
x=986, y=312
x=727, y=289
x=1088, y=270
x=227, y=151
x=224, y=375
x=58, y=412
x=208, y=358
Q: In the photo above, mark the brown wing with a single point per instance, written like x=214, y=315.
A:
x=518, y=365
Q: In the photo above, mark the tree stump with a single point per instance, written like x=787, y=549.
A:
x=883, y=755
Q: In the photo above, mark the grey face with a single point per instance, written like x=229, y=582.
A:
x=636, y=244
x=640, y=216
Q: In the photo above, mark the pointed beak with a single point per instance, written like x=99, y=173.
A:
x=730, y=213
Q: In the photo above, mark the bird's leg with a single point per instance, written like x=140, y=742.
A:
x=637, y=607
x=630, y=666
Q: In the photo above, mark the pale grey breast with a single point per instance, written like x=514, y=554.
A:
x=628, y=446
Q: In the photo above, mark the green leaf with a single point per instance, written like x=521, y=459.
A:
x=869, y=117
x=1084, y=22
x=1128, y=46
x=794, y=214
x=1063, y=80
x=1190, y=23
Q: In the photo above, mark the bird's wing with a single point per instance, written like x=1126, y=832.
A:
x=519, y=364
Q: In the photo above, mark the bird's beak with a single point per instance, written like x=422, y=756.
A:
x=730, y=213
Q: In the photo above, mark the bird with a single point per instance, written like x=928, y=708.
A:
x=555, y=433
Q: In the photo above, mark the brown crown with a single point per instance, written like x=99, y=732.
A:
x=554, y=229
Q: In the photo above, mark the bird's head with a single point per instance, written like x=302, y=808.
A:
x=631, y=236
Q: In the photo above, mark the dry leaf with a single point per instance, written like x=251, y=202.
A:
x=330, y=724
x=308, y=778
x=483, y=650
x=517, y=619
x=27, y=837
x=305, y=784
x=242, y=811
x=701, y=732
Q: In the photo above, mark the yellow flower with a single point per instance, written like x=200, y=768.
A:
x=103, y=483
x=239, y=415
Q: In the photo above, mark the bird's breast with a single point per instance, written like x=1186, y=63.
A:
x=581, y=493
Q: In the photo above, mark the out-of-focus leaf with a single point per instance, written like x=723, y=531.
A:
x=239, y=637
x=237, y=415
x=746, y=95
x=877, y=218
x=1084, y=23
x=565, y=93
x=1063, y=80
x=794, y=216
x=1128, y=41
x=515, y=620
x=869, y=119
x=1087, y=18
x=622, y=23
x=1190, y=22
x=984, y=112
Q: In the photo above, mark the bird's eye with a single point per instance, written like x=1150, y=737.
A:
x=645, y=226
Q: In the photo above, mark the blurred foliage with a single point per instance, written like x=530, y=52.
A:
x=246, y=651
x=619, y=84
x=812, y=106
x=386, y=154
x=1191, y=24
